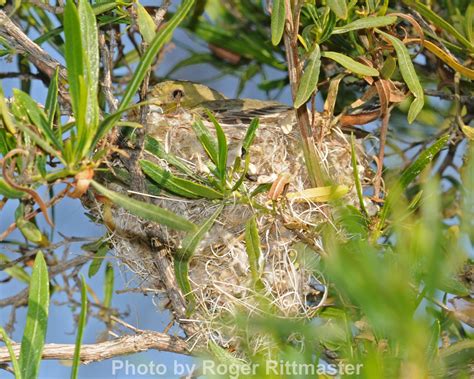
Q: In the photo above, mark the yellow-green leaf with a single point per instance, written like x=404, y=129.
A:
x=34, y=333
x=365, y=23
x=278, y=21
x=145, y=23
x=339, y=7
x=350, y=64
x=409, y=76
x=179, y=186
x=309, y=79
x=252, y=247
x=148, y=211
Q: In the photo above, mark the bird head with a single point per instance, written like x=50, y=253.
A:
x=172, y=94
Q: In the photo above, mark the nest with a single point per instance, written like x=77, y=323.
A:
x=219, y=271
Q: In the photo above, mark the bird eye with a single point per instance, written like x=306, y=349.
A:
x=177, y=94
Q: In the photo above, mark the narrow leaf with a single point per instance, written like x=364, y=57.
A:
x=185, y=253
x=339, y=7
x=207, y=140
x=37, y=116
x=250, y=135
x=34, y=334
x=309, y=79
x=155, y=147
x=80, y=330
x=366, y=23
x=410, y=174
x=98, y=259
x=174, y=184
x=221, y=163
x=90, y=43
x=108, y=285
x=146, y=24
x=5, y=113
x=409, y=75
x=355, y=171
x=278, y=21
x=351, y=64
x=73, y=53
x=148, y=211
x=10, y=192
x=252, y=247
x=51, y=103
x=8, y=344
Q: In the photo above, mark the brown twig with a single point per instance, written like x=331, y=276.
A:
x=33, y=52
x=47, y=7
x=316, y=173
x=21, y=298
x=129, y=344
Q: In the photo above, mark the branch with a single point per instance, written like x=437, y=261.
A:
x=34, y=53
x=129, y=344
x=316, y=172
x=21, y=298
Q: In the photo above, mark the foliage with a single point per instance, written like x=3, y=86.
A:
x=390, y=276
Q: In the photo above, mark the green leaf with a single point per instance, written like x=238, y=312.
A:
x=207, y=140
x=339, y=7
x=81, y=324
x=42, y=143
x=148, y=211
x=309, y=80
x=350, y=64
x=5, y=113
x=355, y=171
x=146, y=24
x=250, y=135
x=155, y=147
x=15, y=271
x=469, y=22
x=181, y=271
x=51, y=103
x=433, y=343
x=30, y=231
x=144, y=64
x=37, y=117
x=252, y=247
x=177, y=185
x=189, y=246
x=409, y=76
x=410, y=174
x=192, y=239
x=98, y=259
x=90, y=56
x=9, y=192
x=73, y=53
x=366, y=23
x=278, y=21
x=8, y=344
x=108, y=285
x=221, y=162
x=34, y=334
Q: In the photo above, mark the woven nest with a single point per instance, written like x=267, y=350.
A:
x=219, y=271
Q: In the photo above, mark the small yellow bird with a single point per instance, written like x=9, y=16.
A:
x=174, y=96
